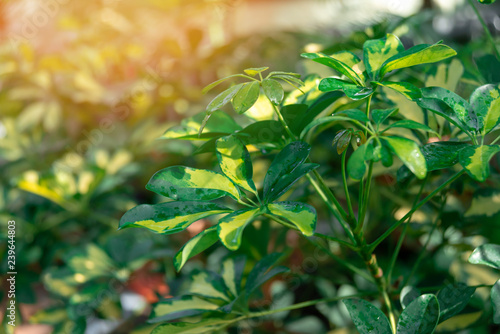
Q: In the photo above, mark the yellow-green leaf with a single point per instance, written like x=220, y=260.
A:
x=170, y=217
x=191, y=184
x=255, y=70
x=337, y=65
x=273, y=90
x=485, y=102
x=231, y=227
x=377, y=51
x=175, y=308
x=419, y=54
x=409, y=153
x=302, y=215
x=476, y=160
x=235, y=162
x=246, y=97
x=405, y=88
x=195, y=246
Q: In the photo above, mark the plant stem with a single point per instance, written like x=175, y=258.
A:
x=340, y=241
x=368, y=102
x=346, y=190
x=424, y=248
x=403, y=234
x=365, y=196
x=486, y=30
x=374, y=244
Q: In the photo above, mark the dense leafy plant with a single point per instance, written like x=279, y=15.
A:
x=378, y=136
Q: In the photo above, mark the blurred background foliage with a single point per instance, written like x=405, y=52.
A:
x=88, y=87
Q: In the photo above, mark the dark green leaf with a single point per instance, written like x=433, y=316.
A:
x=302, y=215
x=377, y=51
x=450, y=106
x=476, y=160
x=452, y=299
x=338, y=136
x=191, y=184
x=354, y=114
x=487, y=254
x=205, y=326
x=287, y=180
x=353, y=91
x=170, y=217
x=367, y=318
x=246, y=97
x=405, y=88
x=441, y=154
x=485, y=102
x=487, y=2
x=235, y=162
x=195, y=246
x=495, y=301
x=207, y=284
x=273, y=90
x=325, y=120
x=336, y=65
x=419, y=54
x=230, y=228
x=286, y=162
x=262, y=132
x=420, y=317
x=409, y=153
x=380, y=115
x=356, y=165
x=262, y=272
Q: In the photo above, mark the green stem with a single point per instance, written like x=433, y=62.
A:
x=365, y=197
x=283, y=122
x=403, y=234
x=496, y=139
x=346, y=190
x=368, y=102
x=424, y=248
x=486, y=30
x=340, y=241
x=374, y=244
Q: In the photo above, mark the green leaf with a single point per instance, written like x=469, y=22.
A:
x=230, y=228
x=495, y=301
x=408, y=294
x=207, y=284
x=336, y=65
x=246, y=97
x=302, y=215
x=191, y=184
x=180, y=307
x=380, y=115
x=232, y=273
x=273, y=90
x=443, y=154
x=409, y=124
x=218, y=125
x=409, y=153
x=487, y=2
x=223, y=98
x=377, y=51
x=325, y=120
x=356, y=165
x=353, y=91
x=485, y=102
x=476, y=160
x=347, y=57
x=255, y=70
x=205, y=326
x=195, y=246
x=487, y=254
x=408, y=90
x=287, y=167
x=419, y=54
x=450, y=106
x=452, y=299
x=367, y=318
x=170, y=217
x=354, y=114
x=263, y=271
x=420, y=317
x=235, y=162
x=344, y=141
x=216, y=83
